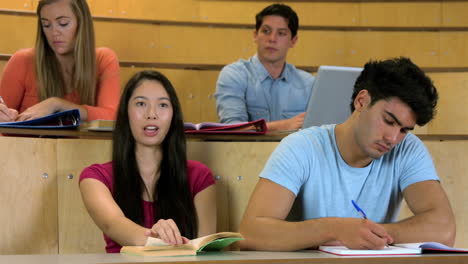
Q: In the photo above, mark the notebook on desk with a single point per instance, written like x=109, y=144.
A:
x=331, y=95
x=61, y=120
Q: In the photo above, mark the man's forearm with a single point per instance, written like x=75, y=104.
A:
x=264, y=233
x=432, y=225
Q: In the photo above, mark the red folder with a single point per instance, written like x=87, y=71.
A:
x=257, y=127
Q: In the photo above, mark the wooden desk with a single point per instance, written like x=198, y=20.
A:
x=246, y=257
x=29, y=200
x=83, y=132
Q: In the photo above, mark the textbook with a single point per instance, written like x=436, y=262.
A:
x=390, y=250
x=395, y=249
x=157, y=247
x=101, y=125
x=254, y=127
x=60, y=120
x=433, y=247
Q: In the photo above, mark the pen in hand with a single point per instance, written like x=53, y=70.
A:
x=359, y=209
x=2, y=101
x=363, y=214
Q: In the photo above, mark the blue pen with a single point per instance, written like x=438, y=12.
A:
x=359, y=209
x=362, y=213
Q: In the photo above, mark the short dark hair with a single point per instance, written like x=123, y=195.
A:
x=172, y=198
x=400, y=78
x=279, y=10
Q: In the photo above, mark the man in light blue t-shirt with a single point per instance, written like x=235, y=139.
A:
x=371, y=158
x=265, y=86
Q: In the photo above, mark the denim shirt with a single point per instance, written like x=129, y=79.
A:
x=245, y=91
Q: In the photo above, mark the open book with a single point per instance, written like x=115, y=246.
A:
x=253, y=127
x=60, y=120
x=396, y=249
x=433, y=247
x=157, y=247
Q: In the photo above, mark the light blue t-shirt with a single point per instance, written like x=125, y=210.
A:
x=309, y=164
x=245, y=91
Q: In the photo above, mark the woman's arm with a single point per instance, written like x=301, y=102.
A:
x=12, y=85
x=108, y=86
x=50, y=106
x=205, y=205
x=108, y=216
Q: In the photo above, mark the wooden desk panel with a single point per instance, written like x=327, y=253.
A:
x=28, y=198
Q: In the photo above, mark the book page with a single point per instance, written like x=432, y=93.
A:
x=390, y=250
x=158, y=244
x=431, y=245
x=202, y=241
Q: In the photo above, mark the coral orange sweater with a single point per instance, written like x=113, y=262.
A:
x=18, y=86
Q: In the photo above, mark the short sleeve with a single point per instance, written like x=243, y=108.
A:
x=100, y=172
x=288, y=165
x=416, y=164
x=199, y=176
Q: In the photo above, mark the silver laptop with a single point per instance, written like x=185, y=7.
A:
x=331, y=96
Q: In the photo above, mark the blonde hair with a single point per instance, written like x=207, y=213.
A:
x=48, y=71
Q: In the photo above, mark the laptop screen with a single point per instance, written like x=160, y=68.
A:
x=331, y=96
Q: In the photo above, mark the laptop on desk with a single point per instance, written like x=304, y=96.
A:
x=331, y=95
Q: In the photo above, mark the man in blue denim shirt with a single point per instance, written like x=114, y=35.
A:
x=265, y=86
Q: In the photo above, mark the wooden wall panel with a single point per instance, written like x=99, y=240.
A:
x=450, y=161
x=452, y=172
x=312, y=13
x=240, y=171
x=454, y=49
x=28, y=214
x=327, y=13
x=107, y=8
x=207, y=99
x=131, y=41
x=77, y=231
x=422, y=47
x=17, y=4
x=454, y=13
x=452, y=117
x=318, y=48
x=14, y=39
x=185, y=44
x=234, y=12
x=400, y=14
x=174, y=10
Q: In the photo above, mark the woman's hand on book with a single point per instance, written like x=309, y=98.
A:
x=7, y=114
x=41, y=109
x=167, y=230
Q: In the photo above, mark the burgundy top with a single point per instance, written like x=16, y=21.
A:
x=199, y=176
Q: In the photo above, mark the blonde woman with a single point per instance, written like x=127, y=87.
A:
x=64, y=71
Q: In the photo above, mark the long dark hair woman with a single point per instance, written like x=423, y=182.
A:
x=149, y=188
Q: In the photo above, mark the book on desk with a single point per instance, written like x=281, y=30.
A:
x=257, y=127
x=157, y=247
x=395, y=249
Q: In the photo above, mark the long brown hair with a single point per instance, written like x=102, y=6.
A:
x=48, y=71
